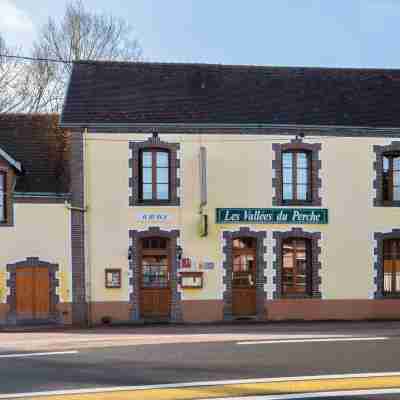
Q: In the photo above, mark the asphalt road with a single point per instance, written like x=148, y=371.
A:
x=189, y=362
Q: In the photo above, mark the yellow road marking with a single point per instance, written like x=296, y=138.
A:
x=243, y=389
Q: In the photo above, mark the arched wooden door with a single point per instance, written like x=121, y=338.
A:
x=32, y=290
x=244, y=276
x=155, y=274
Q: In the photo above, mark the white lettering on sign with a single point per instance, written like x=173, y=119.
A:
x=153, y=217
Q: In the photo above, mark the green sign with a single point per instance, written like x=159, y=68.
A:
x=272, y=215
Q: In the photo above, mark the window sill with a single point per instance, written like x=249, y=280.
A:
x=6, y=224
x=296, y=296
x=388, y=204
x=298, y=203
x=156, y=203
x=391, y=296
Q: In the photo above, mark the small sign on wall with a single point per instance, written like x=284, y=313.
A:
x=153, y=217
x=192, y=280
x=113, y=278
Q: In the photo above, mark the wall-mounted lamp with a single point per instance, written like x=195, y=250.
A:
x=130, y=253
x=300, y=136
x=179, y=252
x=155, y=135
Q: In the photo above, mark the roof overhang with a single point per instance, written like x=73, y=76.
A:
x=241, y=129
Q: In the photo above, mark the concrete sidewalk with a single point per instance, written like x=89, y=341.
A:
x=67, y=339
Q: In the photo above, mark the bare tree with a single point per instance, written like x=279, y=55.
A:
x=79, y=35
x=14, y=81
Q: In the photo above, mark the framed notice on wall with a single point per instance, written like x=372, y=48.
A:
x=113, y=278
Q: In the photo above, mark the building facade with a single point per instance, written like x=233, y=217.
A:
x=35, y=227
x=203, y=193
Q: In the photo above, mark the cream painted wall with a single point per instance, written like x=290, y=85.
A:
x=40, y=230
x=239, y=175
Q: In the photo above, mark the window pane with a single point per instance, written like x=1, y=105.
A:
x=162, y=191
x=243, y=243
x=2, y=213
x=302, y=175
x=147, y=175
x=1, y=182
x=287, y=160
x=396, y=163
x=301, y=192
x=396, y=193
x=162, y=159
x=162, y=175
x=155, y=271
x=396, y=178
x=287, y=175
x=147, y=192
x=287, y=192
x=302, y=161
x=146, y=159
x=385, y=164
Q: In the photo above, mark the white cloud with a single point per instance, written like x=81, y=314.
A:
x=14, y=20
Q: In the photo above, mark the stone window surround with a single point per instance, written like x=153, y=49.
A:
x=379, y=238
x=277, y=180
x=34, y=262
x=134, y=165
x=261, y=266
x=379, y=151
x=134, y=268
x=314, y=237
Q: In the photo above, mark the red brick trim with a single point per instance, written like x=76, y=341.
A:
x=134, y=164
x=314, y=237
x=297, y=144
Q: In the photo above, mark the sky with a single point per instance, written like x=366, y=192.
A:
x=327, y=33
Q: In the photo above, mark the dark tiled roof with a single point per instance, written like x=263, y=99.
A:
x=116, y=92
x=41, y=146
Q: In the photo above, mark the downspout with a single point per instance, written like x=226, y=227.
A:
x=86, y=175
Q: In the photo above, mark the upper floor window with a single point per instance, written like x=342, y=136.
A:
x=391, y=177
x=296, y=182
x=391, y=267
x=296, y=270
x=296, y=173
x=154, y=175
x=3, y=201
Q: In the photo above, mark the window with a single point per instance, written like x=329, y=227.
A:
x=3, y=202
x=244, y=263
x=391, y=177
x=296, y=276
x=296, y=183
x=155, y=167
x=296, y=167
x=155, y=179
x=391, y=267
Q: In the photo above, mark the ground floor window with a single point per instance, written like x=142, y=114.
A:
x=391, y=266
x=296, y=271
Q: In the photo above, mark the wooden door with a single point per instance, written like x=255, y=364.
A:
x=32, y=293
x=155, y=288
x=244, y=277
